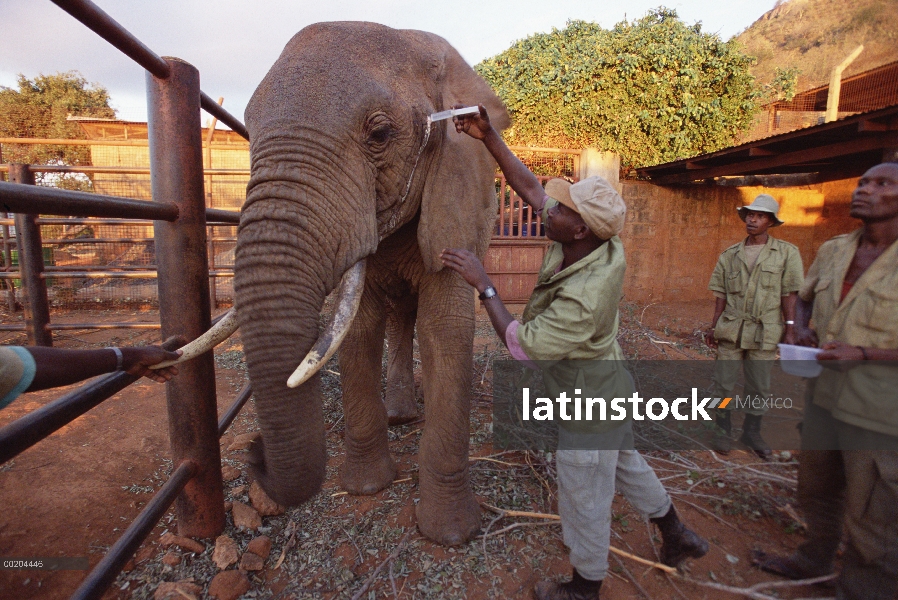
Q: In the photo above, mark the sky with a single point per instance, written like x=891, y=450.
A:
x=233, y=43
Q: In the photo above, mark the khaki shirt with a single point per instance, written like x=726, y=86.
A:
x=572, y=316
x=868, y=316
x=752, y=318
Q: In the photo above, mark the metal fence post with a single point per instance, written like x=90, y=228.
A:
x=176, y=165
x=31, y=267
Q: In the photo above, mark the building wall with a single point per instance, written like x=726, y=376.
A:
x=674, y=235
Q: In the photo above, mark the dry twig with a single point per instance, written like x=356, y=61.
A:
x=395, y=553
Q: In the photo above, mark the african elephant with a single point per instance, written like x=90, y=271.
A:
x=346, y=177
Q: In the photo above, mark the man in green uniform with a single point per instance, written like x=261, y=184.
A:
x=572, y=316
x=755, y=283
x=849, y=460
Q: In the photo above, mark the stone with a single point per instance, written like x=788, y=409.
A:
x=178, y=590
x=172, y=559
x=237, y=491
x=245, y=517
x=262, y=503
x=145, y=553
x=226, y=552
x=184, y=543
x=229, y=473
x=244, y=441
x=260, y=546
x=251, y=562
x=229, y=585
x=228, y=506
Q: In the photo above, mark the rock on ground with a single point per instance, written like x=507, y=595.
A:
x=229, y=585
x=262, y=503
x=177, y=590
x=245, y=517
x=225, y=553
x=184, y=543
x=260, y=546
x=229, y=473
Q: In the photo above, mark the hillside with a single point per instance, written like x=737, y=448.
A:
x=815, y=35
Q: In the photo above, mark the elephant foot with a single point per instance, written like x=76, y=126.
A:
x=364, y=478
x=402, y=415
x=449, y=524
x=401, y=405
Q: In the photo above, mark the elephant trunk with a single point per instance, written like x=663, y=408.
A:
x=286, y=262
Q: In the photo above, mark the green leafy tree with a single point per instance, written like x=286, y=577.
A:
x=40, y=108
x=651, y=90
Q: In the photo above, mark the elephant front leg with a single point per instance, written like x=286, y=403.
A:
x=400, y=394
x=447, y=511
x=368, y=467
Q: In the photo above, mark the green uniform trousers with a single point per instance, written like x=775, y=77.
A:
x=857, y=485
x=756, y=364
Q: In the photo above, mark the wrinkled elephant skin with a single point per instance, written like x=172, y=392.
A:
x=343, y=170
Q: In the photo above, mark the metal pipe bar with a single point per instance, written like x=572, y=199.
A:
x=36, y=199
x=103, y=274
x=101, y=142
x=35, y=426
x=77, y=326
x=23, y=433
x=218, y=111
x=67, y=241
x=234, y=409
x=99, y=580
x=98, y=221
x=110, y=30
x=116, y=170
x=217, y=215
x=84, y=221
x=31, y=265
x=176, y=160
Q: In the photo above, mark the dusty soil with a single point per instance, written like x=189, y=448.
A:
x=75, y=493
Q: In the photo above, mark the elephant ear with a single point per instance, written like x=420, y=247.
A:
x=458, y=204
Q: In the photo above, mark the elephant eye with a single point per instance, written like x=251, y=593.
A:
x=380, y=135
x=380, y=130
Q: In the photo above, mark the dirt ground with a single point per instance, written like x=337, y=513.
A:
x=75, y=493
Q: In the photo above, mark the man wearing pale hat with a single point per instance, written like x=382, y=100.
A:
x=756, y=285
x=572, y=315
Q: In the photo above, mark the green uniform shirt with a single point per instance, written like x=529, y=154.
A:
x=752, y=318
x=572, y=316
x=868, y=316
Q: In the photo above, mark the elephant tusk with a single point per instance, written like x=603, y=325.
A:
x=216, y=335
x=348, y=298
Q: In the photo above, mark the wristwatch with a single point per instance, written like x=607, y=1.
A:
x=487, y=293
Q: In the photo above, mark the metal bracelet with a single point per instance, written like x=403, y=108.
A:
x=119, y=358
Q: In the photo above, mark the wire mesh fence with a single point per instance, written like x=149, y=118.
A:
x=864, y=92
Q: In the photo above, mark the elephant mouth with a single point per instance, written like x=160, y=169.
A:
x=349, y=297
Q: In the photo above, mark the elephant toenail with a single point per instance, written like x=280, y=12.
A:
x=369, y=489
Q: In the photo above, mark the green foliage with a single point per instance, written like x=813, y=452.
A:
x=652, y=90
x=38, y=109
x=785, y=83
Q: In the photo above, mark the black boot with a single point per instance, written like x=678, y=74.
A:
x=577, y=588
x=677, y=542
x=722, y=441
x=751, y=436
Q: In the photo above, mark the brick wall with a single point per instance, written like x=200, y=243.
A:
x=674, y=235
